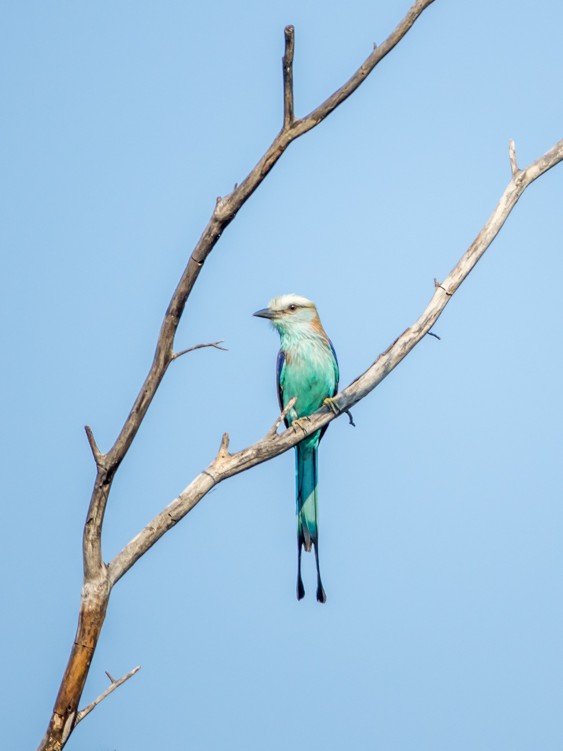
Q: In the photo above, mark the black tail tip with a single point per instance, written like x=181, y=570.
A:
x=321, y=594
x=300, y=589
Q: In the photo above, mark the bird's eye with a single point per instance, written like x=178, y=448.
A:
x=293, y=307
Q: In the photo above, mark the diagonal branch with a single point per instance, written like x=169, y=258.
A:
x=226, y=465
x=379, y=52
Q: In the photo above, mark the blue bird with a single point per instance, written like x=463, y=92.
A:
x=307, y=369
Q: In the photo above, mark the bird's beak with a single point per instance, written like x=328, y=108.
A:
x=264, y=313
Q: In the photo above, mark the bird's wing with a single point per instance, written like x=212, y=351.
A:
x=336, y=369
x=279, y=377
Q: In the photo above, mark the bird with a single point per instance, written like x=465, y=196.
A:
x=307, y=369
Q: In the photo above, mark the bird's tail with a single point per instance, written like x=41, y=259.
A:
x=307, y=513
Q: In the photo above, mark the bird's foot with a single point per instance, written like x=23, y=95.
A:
x=331, y=404
x=298, y=423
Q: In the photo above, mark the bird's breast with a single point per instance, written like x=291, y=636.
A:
x=309, y=375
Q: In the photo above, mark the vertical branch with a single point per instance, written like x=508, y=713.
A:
x=93, y=607
x=288, y=104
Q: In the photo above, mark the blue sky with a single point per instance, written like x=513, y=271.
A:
x=441, y=514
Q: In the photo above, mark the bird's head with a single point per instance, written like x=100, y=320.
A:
x=291, y=313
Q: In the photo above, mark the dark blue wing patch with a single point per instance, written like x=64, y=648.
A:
x=279, y=368
x=337, y=368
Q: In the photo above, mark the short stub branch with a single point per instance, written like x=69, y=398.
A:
x=96, y=453
x=512, y=157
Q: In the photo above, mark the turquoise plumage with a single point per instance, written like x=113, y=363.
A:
x=308, y=370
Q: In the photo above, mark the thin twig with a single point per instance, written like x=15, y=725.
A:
x=109, y=690
x=176, y=355
x=287, y=62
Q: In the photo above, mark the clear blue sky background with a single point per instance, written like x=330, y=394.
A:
x=441, y=513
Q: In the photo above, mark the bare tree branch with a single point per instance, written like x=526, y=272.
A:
x=273, y=444
x=110, y=689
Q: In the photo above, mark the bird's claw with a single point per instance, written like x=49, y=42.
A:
x=298, y=422
x=331, y=404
